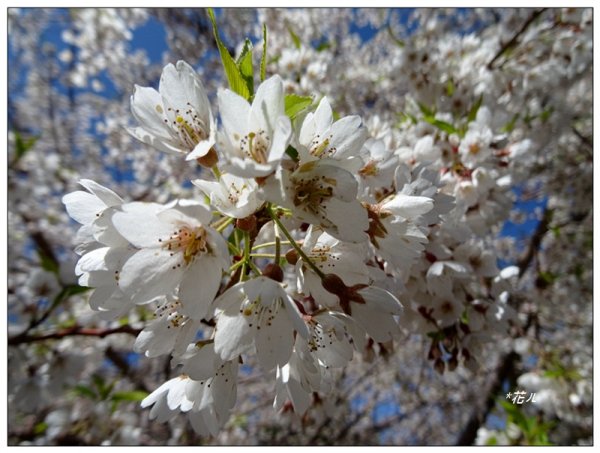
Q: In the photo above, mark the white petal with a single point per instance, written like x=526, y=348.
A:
x=268, y=105
x=350, y=219
x=107, y=196
x=180, y=84
x=83, y=207
x=408, y=206
x=380, y=326
x=137, y=222
x=381, y=300
x=199, y=287
x=232, y=334
x=201, y=362
x=148, y=274
x=348, y=136
x=92, y=261
x=323, y=115
x=281, y=139
x=235, y=111
x=145, y=103
x=274, y=341
x=160, y=143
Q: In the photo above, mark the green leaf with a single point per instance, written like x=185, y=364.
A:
x=492, y=441
x=101, y=386
x=404, y=116
x=22, y=145
x=548, y=277
x=87, y=392
x=263, y=60
x=235, y=237
x=545, y=115
x=294, y=36
x=40, y=428
x=71, y=290
x=294, y=104
x=474, y=109
x=244, y=64
x=398, y=41
x=292, y=152
x=48, y=263
x=133, y=395
x=323, y=46
x=442, y=125
x=437, y=335
x=449, y=88
x=236, y=80
x=508, y=127
x=425, y=110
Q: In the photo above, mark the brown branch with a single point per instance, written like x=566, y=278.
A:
x=514, y=40
x=586, y=140
x=121, y=363
x=535, y=241
x=72, y=331
x=506, y=370
x=508, y=362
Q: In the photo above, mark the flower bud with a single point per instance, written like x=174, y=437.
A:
x=334, y=285
x=246, y=224
x=274, y=272
x=291, y=256
x=209, y=160
x=439, y=366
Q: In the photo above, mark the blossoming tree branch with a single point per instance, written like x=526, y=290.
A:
x=307, y=240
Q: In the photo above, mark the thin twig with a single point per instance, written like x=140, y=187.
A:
x=535, y=242
x=72, y=331
x=514, y=40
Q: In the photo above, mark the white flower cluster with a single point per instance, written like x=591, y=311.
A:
x=312, y=241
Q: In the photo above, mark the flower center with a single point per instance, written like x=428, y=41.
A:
x=310, y=194
x=169, y=310
x=256, y=146
x=261, y=314
x=187, y=125
x=370, y=169
x=321, y=337
x=320, y=148
x=190, y=241
x=474, y=148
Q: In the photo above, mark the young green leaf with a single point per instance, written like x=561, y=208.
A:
x=244, y=64
x=22, y=146
x=473, y=112
x=237, y=83
x=47, y=262
x=292, y=152
x=82, y=390
x=133, y=395
x=449, y=88
x=426, y=111
x=398, y=41
x=441, y=125
x=294, y=36
x=263, y=60
x=294, y=104
x=508, y=127
x=323, y=46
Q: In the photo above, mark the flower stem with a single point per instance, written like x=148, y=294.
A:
x=262, y=255
x=269, y=244
x=277, y=245
x=294, y=244
x=222, y=223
